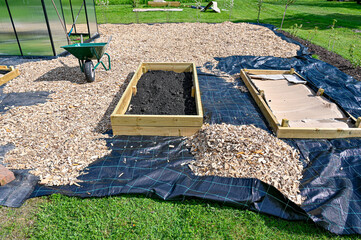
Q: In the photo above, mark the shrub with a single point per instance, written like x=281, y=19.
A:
x=288, y=2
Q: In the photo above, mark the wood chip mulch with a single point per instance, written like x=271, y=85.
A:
x=246, y=152
x=59, y=138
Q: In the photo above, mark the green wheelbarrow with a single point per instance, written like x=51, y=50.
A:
x=85, y=53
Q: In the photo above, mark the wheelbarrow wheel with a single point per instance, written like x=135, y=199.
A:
x=89, y=71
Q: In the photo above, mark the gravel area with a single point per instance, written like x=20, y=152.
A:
x=59, y=138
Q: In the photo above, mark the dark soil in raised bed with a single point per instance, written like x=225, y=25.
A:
x=164, y=93
x=329, y=57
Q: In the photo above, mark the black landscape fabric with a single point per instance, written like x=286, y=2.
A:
x=154, y=165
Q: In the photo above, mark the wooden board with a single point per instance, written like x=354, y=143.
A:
x=157, y=10
x=12, y=73
x=293, y=132
x=156, y=120
x=157, y=125
x=163, y=4
x=328, y=133
x=154, y=131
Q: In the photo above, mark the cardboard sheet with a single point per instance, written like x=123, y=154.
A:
x=300, y=105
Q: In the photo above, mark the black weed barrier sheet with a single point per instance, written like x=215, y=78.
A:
x=154, y=165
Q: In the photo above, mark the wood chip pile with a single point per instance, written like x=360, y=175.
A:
x=62, y=136
x=246, y=152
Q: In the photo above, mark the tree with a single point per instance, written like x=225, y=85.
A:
x=231, y=5
x=104, y=4
x=288, y=2
x=259, y=5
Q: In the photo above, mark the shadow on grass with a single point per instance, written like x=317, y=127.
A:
x=309, y=21
x=325, y=4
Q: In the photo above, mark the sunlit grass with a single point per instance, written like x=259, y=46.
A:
x=310, y=13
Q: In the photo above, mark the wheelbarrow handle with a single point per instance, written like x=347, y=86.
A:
x=107, y=45
x=110, y=38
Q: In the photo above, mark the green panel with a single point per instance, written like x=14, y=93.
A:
x=57, y=31
x=67, y=14
x=81, y=24
x=91, y=17
x=31, y=27
x=8, y=43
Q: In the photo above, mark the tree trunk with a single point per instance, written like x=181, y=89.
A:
x=259, y=10
x=230, y=13
x=284, y=14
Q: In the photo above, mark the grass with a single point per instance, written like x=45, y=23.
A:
x=17, y=223
x=315, y=56
x=309, y=13
x=138, y=217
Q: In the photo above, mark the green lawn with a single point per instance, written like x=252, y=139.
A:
x=309, y=13
x=138, y=217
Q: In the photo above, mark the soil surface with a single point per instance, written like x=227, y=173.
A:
x=164, y=93
x=330, y=57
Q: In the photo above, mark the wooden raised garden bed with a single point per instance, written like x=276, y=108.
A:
x=157, y=125
x=298, y=110
x=9, y=73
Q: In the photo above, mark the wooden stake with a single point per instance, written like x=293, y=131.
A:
x=285, y=123
x=358, y=122
x=261, y=93
x=292, y=71
x=193, y=92
x=134, y=90
x=320, y=92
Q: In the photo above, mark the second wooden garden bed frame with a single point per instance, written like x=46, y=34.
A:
x=283, y=130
